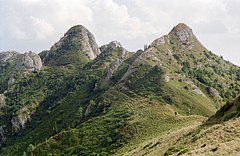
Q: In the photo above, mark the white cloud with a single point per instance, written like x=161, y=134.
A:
x=37, y=24
x=113, y=22
x=18, y=33
x=41, y=27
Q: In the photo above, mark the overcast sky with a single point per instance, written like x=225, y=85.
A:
x=37, y=24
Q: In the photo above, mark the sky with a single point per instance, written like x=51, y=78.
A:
x=37, y=24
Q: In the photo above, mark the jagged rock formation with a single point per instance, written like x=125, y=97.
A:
x=183, y=32
x=160, y=41
x=8, y=56
x=78, y=45
x=86, y=101
x=113, y=67
x=29, y=61
x=113, y=46
x=12, y=62
x=117, y=54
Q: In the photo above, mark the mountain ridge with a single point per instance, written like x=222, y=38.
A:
x=114, y=101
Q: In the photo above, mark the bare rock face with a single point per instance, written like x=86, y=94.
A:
x=213, y=92
x=195, y=88
x=2, y=100
x=160, y=41
x=118, y=53
x=82, y=35
x=8, y=56
x=113, y=67
x=2, y=133
x=23, y=115
x=113, y=46
x=30, y=61
x=183, y=32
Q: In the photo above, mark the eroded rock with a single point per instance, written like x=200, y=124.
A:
x=2, y=100
x=183, y=32
x=29, y=61
x=78, y=40
x=2, y=133
x=158, y=42
x=213, y=92
x=113, y=67
x=23, y=115
x=113, y=46
x=8, y=56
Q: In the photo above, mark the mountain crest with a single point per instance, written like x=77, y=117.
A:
x=8, y=56
x=114, y=46
x=183, y=32
x=77, y=45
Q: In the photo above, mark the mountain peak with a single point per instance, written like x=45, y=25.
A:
x=111, y=45
x=182, y=31
x=115, y=47
x=78, y=43
x=77, y=29
x=181, y=27
x=115, y=44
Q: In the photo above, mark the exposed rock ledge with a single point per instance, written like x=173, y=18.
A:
x=29, y=61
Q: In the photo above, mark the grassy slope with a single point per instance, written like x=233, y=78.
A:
x=150, y=118
x=135, y=106
x=159, y=144
x=219, y=135
x=230, y=110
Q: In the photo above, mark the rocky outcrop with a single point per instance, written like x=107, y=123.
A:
x=213, y=92
x=77, y=40
x=29, y=61
x=82, y=35
x=160, y=41
x=23, y=115
x=195, y=88
x=8, y=56
x=166, y=77
x=113, y=67
x=115, y=52
x=115, y=46
x=11, y=80
x=183, y=32
x=2, y=133
x=2, y=100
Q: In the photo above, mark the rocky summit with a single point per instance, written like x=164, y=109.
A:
x=175, y=97
x=77, y=45
x=183, y=32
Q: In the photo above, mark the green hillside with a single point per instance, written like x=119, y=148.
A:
x=109, y=101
